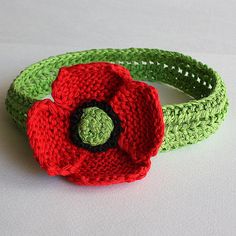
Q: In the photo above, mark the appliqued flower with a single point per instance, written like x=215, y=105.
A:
x=102, y=127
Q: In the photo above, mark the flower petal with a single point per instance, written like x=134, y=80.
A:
x=47, y=129
x=138, y=107
x=110, y=167
x=84, y=82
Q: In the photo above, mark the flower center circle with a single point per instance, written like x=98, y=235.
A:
x=95, y=126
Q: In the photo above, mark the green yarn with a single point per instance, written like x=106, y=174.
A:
x=185, y=123
x=95, y=126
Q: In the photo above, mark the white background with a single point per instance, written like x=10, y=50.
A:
x=190, y=191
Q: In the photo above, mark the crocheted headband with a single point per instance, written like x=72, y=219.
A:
x=101, y=125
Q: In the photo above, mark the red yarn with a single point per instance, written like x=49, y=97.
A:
x=135, y=103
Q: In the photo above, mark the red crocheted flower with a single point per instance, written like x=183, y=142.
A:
x=102, y=127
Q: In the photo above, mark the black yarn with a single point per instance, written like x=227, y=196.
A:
x=75, y=119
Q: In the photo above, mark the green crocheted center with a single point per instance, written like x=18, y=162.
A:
x=95, y=126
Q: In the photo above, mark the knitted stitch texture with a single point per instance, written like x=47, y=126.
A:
x=76, y=119
x=95, y=126
x=185, y=123
x=127, y=158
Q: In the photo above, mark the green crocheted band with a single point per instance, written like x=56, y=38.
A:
x=185, y=123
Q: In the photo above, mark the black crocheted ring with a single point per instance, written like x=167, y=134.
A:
x=75, y=119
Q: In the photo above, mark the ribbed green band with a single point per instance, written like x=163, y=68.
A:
x=185, y=123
